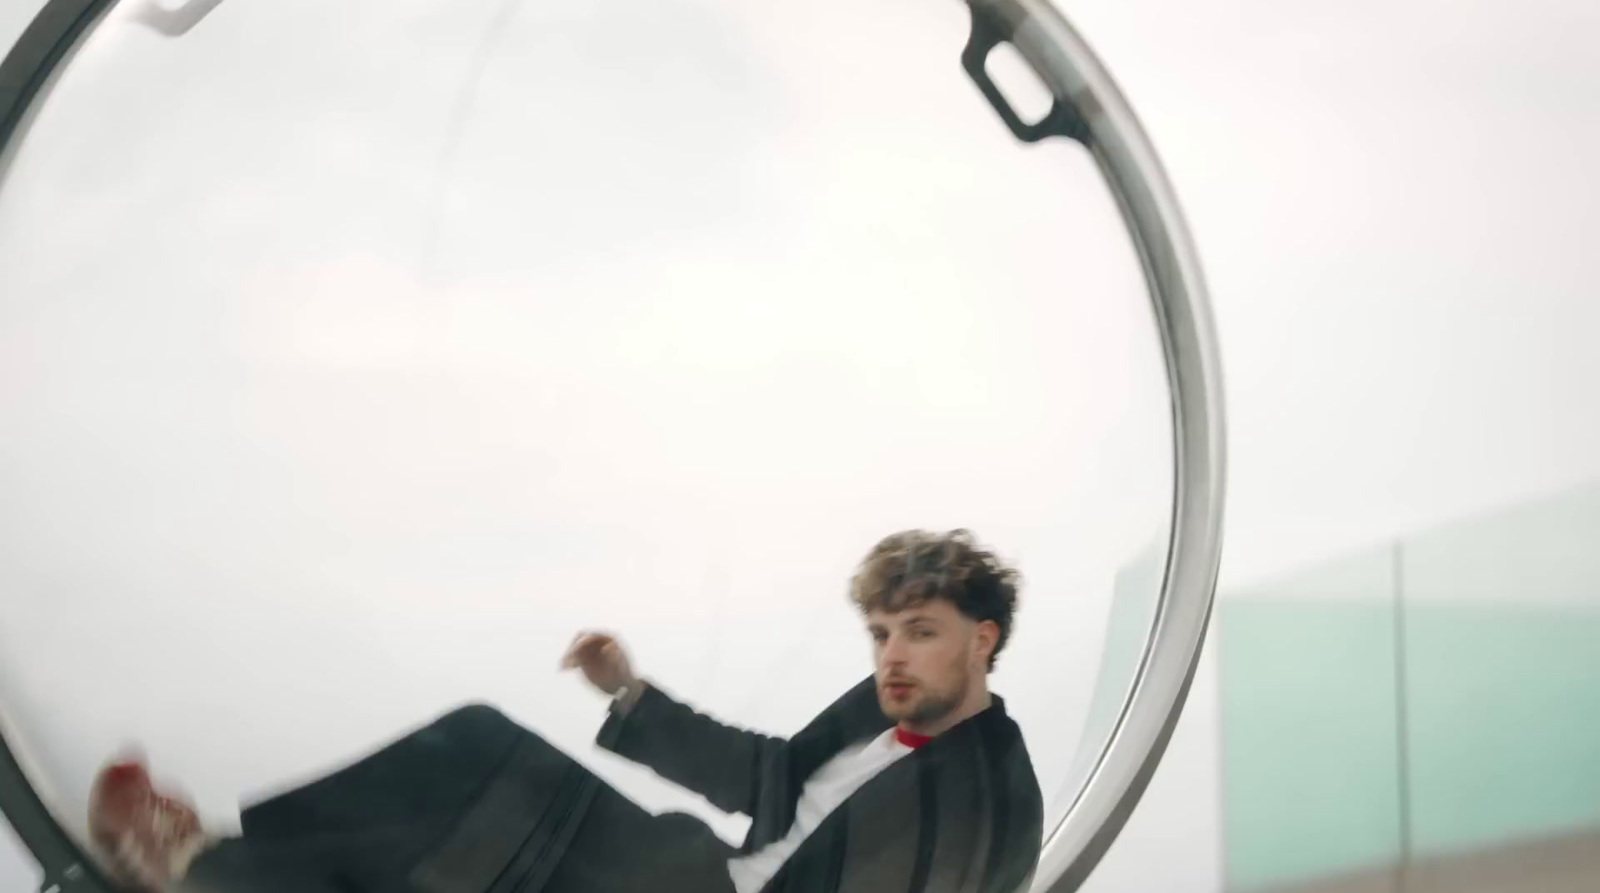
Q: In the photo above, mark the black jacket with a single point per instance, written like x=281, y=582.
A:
x=475, y=803
x=962, y=814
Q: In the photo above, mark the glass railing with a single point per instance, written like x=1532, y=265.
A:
x=1424, y=705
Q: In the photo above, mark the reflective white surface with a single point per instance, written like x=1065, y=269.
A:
x=351, y=359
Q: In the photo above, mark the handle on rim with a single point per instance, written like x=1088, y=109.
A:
x=989, y=30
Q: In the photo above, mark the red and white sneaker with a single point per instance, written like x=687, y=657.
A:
x=148, y=838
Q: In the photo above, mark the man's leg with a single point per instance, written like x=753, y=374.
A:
x=621, y=848
x=428, y=775
x=235, y=865
x=364, y=827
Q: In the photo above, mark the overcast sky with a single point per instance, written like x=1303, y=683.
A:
x=696, y=300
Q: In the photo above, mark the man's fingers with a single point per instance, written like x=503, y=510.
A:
x=591, y=645
x=584, y=647
x=570, y=659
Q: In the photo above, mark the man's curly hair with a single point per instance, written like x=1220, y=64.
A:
x=913, y=567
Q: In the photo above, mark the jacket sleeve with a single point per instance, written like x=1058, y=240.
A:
x=734, y=768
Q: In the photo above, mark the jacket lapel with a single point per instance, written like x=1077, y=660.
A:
x=935, y=817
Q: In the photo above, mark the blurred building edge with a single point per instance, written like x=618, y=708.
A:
x=1421, y=718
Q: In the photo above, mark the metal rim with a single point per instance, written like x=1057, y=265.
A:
x=1104, y=122
x=1090, y=108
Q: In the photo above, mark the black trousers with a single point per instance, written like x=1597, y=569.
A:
x=473, y=803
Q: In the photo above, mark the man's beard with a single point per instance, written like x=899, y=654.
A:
x=933, y=706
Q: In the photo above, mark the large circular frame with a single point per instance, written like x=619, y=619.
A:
x=1089, y=109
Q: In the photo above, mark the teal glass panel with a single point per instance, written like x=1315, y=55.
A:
x=1504, y=723
x=1310, y=761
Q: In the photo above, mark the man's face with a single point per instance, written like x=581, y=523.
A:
x=928, y=658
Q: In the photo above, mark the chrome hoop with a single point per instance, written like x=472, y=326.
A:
x=1088, y=108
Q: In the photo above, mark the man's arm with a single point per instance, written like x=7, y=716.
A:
x=734, y=768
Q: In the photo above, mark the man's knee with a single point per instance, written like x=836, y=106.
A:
x=473, y=720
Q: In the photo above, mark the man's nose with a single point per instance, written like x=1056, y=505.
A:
x=894, y=651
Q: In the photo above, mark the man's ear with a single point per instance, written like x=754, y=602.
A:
x=986, y=638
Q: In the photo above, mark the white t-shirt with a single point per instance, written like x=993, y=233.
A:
x=824, y=792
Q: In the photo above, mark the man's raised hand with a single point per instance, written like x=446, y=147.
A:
x=603, y=661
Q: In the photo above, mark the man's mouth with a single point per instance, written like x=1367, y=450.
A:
x=898, y=689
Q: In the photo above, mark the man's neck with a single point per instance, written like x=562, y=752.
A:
x=975, y=704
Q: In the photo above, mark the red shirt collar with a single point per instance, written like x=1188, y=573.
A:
x=910, y=739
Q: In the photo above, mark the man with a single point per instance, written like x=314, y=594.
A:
x=914, y=780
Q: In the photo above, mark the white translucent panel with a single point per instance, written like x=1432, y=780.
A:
x=354, y=356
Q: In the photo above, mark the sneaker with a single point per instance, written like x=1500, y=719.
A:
x=148, y=838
